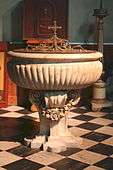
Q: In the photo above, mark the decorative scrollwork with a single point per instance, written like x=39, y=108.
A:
x=53, y=44
x=54, y=113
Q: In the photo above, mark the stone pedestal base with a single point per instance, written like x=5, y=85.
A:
x=59, y=140
x=97, y=105
x=54, y=135
x=37, y=142
x=61, y=143
x=99, y=96
x=60, y=137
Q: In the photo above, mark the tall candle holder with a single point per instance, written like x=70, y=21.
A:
x=99, y=88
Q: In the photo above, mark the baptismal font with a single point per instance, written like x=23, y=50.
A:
x=54, y=72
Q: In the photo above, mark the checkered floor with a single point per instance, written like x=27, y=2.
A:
x=95, y=153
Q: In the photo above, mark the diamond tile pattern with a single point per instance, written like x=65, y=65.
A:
x=69, y=164
x=109, y=116
x=23, y=164
x=102, y=149
x=45, y=158
x=89, y=126
x=87, y=157
x=6, y=158
x=84, y=117
x=106, y=163
x=95, y=152
x=22, y=151
x=96, y=136
x=3, y=111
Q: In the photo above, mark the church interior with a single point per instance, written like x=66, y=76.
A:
x=56, y=85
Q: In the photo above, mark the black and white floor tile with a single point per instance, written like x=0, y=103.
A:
x=95, y=153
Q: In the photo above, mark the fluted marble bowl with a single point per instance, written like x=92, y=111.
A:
x=55, y=71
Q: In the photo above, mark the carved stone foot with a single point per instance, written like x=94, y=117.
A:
x=54, y=135
x=37, y=142
x=61, y=143
x=55, y=145
x=72, y=142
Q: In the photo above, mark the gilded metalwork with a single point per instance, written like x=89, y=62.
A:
x=54, y=113
x=53, y=44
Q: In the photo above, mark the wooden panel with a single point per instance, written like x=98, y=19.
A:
x=3, y=81
x=38, y=15
x=45, y=17
x=8, y=93
x=2, y=71
x=29, y=19
x=2, y=88
x=11, y=88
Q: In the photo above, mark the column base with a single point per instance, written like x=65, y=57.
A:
x=36, y=142
x=53, y=143
x=97, y=104
x=62, y=143
x=54, y=135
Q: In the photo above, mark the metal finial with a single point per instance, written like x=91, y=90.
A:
x=101, y=4
x=55, y=27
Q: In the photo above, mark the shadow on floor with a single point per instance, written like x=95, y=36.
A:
x=16, y=129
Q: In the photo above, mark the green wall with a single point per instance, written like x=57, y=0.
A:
x=81, y=22
x=7, y=8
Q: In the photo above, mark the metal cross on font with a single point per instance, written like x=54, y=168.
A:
x=54, y=28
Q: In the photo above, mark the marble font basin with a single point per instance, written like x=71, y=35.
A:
x=40, y=71
x=53, y=80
